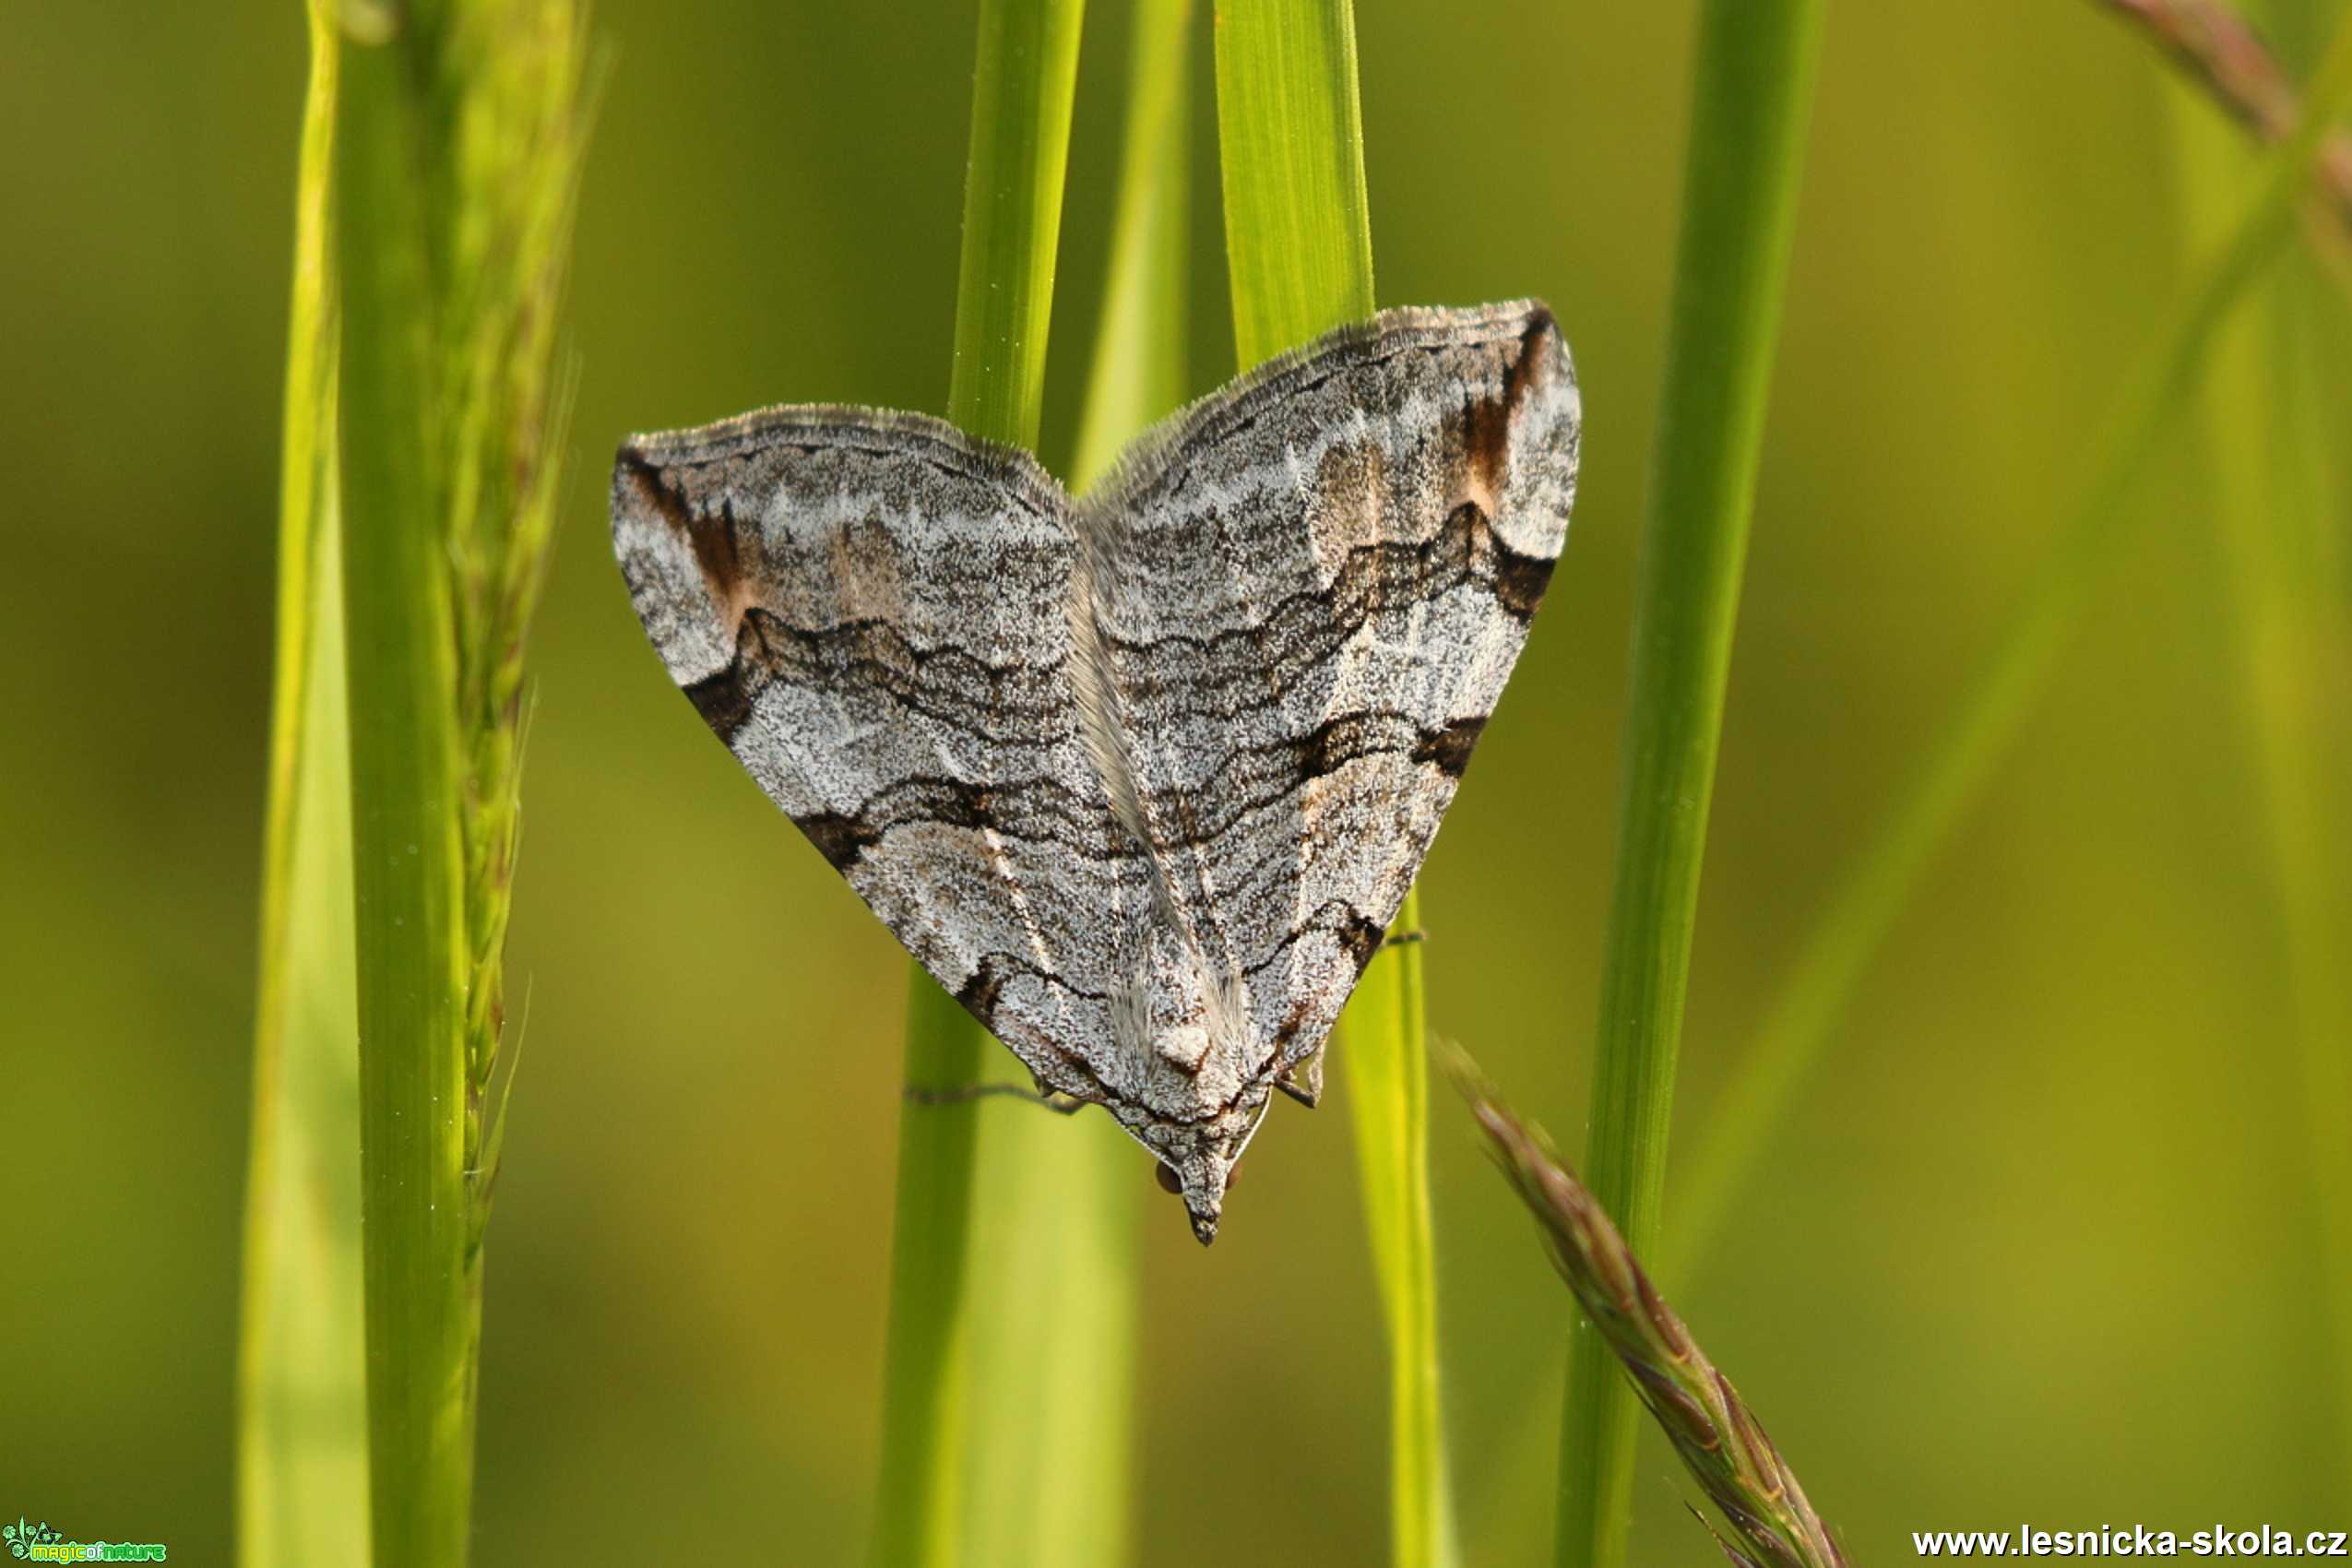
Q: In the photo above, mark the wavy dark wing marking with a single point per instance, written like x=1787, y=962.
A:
x=871, y=611
x=1308, y=592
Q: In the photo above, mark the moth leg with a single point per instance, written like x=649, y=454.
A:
x=1060, y=1104
x=1403, y=938
x=1303, y=1080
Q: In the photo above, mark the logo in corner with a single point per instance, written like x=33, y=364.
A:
x=22, y=1537
x=39, y=1543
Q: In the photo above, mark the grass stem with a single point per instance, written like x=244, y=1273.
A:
x=1024, y=80
x=409, y=854
x=1058, y=1204
x=1140, y=371
x=1298, y=249
x=1290, y=149
x=458, y=151
x=1752, y=100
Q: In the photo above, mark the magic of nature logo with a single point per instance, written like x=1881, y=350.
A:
x=39, y=1543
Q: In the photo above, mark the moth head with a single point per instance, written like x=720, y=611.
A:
x=1199, y=1164
x=1205, y=1201
x=1204, y=1081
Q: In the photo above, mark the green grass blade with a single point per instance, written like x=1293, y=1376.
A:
x=302, y=1434
x=1384, y=1043
x=409, y=859
x=1023, y=87
x=1751, y=99
x=1140, y=350
x=1059, y=1205
x=1863, y=911
x=2269, y=450
x=1299, y=248
x=919, y=1495
x=1058, y=1222
x=458, y=151
x=1290, y=148
x=1024, y=84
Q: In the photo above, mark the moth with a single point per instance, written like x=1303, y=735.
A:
x=1140, y=777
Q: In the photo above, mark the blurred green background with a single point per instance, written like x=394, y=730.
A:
x=2039, y=1244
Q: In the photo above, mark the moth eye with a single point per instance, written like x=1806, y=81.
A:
x=1174, y=1184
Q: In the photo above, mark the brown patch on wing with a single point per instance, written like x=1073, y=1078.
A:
x=1486, y=433
x=1450, y=748
x=864, y=563
x=980, y=993
x=840, y=840
x=1292, y=1022
x=1361, y=938
x=1343, y=512
x=1486, y=452
x=722, y=701
x=1531, y=367
x=1519, y=581
x=713, y=537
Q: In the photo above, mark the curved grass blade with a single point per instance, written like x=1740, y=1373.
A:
x=2270, y=450
x=1864, y=907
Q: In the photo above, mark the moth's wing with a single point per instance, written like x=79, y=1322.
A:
x=873, y=612
x=1309, y=590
